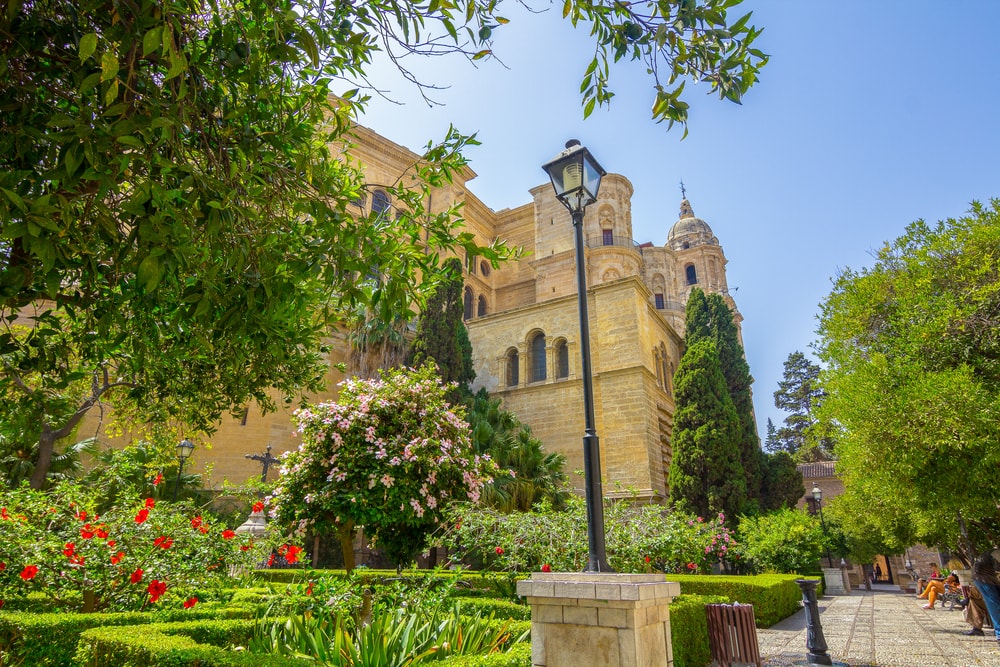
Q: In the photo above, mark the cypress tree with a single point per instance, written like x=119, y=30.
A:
x=441, y=334
x=706, y=474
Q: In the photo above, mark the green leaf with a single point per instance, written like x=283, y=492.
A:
x=151, y=40
x=88, y=44
x=589, y=108
x=112, y=93
x=150, y=273
x=109, y=66
x=481, y=54
x=15, y=199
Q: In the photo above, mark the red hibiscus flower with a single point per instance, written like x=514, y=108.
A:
x=76, y=559
x=202, y=529
x=246, y=547
x=309, y=588
x=3, y=566
x=190, y=602
x=195, y=522
x=69, y=549
x=292, y=555
x=117, y=558
x=136, y=576
x=270, y=560
x=87, y=532
x=142, y=516
x=163, y=542
x=29, y=572
x=499, y=551
x=3, y=514
x=258, y=506
x=228, y=534
x=81, y=515
x=158, y=479
x=102, y=531
x=111, y=544
x=648, y=559
x=150, y=503
x=156, y=589
x=692, y=566
x=546, y=568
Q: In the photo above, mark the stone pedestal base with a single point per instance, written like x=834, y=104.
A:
x=599, y=620
x=834, y=582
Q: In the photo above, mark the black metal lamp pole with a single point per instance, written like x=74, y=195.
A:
x=576, y=177
x=184, y=450
x=817, y=494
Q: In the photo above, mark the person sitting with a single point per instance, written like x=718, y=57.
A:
x=975, y=612
x=936, y=588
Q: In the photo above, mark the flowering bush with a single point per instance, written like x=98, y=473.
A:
x=639, y=538
x=389, y=455
x=126, y=558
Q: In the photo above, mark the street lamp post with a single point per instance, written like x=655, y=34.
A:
x=184, y=450
x=818, y=497
x=576, y=178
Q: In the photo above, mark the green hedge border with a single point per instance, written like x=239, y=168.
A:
x=689, y=629
x=774, y=596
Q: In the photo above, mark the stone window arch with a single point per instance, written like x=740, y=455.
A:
x=513, y=367
x=691, y=274
x=562, y=359
x=380, y=202
x=536, y=357
x=469, y=300
x=481, y=307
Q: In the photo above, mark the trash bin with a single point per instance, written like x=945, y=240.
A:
x=732, y=635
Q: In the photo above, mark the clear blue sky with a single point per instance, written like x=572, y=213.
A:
x=870, y=115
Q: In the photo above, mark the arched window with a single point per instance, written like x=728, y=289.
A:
x=513, y=368
x=658, y=299
x=538, y=358
x=607, y=237
x=481, y=306
x=692, y=274
x=469, y=300
x=562, y=360
x=380, y=202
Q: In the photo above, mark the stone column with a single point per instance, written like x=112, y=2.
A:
x=833, y=582
x=600, y=620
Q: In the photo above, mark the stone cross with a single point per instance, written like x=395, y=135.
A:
x=266, y=459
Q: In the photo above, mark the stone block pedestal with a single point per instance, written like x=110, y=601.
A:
x=835, y=581
x=599, y=620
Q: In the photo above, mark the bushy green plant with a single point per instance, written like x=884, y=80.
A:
x=389, y=455
x=126, y=558
x=689, y=629
x=773, y=596
x=640, y=538
x=788, y=540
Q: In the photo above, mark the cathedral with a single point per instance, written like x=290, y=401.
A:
x=523, y=322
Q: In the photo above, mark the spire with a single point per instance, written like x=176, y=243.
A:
x=686, y=210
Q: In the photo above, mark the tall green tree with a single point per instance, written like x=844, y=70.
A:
x=912, y=358
x=441, y=334
x=801, y=394
x=709, y=317
x=781, y=483
x=174, y=217
x=706, y=475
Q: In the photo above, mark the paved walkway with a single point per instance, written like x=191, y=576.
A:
x=880, y=628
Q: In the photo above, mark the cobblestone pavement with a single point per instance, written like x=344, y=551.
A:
x=881, y=628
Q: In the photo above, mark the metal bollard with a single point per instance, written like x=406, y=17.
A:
x=815, y=641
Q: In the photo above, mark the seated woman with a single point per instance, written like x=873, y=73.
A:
x=936, y=588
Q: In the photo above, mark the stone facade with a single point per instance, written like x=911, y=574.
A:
x=523, y=323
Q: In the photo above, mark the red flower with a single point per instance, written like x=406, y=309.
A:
x=156, y=589
x=546, y=568
x=202, y=529
x=3, y=566
x=246, y=547
x=117, y=558
x=692, y=566
x=81, y=515
x=195, y=522
x=102, y=531
x=258, y=506
x=87, y=532
x=648, y=559
x=150, y=503
x=292, y=555
x=3, y=514
x=499, y=551
x=29, y=572
x=76, y=559
x=309, y=588
x=159, y=478
x=190, y=602
x=136, y=576
x=142, y=516
x=69, y=549
x=228, y=534
x=111, y=544
x=163, y=542
x=270, y=560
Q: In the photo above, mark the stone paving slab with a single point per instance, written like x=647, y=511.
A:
x=881, y=629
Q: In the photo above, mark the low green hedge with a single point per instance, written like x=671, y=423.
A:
x=49, y=640
x=201, y=643
x=519, y=655
x=498, y=608
x=773, y=596
x=689, y=629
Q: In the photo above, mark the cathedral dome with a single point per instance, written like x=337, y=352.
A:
x=689, y=230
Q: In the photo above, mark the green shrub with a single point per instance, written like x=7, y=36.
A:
x=496, y=608
x=49, y=640
x=788, y=540
x=689, y=629
x=773, y=596
x=201, y=643
x=519, y=655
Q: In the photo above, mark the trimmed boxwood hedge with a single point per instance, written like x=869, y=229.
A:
x=49, y=640
x=689, y=629
x=519, y=655
x=773, y=596
x=498, y=608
